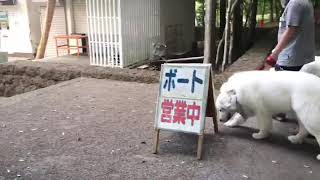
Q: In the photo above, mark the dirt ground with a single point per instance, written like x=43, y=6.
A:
x=103, y=129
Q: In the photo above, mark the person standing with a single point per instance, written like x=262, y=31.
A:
x=296, y=38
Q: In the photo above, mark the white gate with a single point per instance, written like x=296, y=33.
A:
x=121, y=32
x=105, y=47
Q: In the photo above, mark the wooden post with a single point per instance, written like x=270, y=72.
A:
x=57, y=49
x=209, y=57
x=209, y=37
x=214, y=114
x=78, y=49
x=51, y=4
x=200, y=146
x=156, y=141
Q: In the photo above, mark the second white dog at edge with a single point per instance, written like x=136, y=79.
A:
x=263, y=94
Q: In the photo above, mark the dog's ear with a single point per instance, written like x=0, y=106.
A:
x=231, y=92
x=232, y=99
x=226, y=87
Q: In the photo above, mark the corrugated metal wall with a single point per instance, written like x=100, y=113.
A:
x=140, y=28
x=121, y=32
x=58, y=27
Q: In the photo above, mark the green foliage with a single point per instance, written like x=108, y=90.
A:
x=199, y=8
x=199, y=12
x=316, y=3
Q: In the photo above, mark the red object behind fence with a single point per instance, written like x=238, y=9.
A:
x=67, y=45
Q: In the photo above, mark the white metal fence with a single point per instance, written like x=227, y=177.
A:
x=104, y=25
x=121, y=32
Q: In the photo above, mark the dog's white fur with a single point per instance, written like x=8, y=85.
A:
x=312, y=68
x=266, y=93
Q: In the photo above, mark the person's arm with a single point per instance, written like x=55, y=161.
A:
x=285, y=40
x=287, y=37
x=293, y=19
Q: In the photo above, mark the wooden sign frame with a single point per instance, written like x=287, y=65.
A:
x=210, y=112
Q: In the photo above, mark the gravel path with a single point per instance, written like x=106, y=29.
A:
x=103, y=129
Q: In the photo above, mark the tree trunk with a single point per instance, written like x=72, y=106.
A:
x=219, y=55
x=210, y=26
x=278, y=9
x=222, y=16
x=263, y=10
x=253, y=22
x=272, y=10
x=51, y=4
x=227, y=36
x=247, y=12
x=237, y=26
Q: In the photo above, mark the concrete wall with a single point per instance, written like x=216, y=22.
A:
x=19, y=34
x=177, y=24
x=80, y=16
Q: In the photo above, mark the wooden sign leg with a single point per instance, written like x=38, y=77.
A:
x=214, y=118
x=211, y=108
x=156, y=141
x=200, y=145
x=215, y=123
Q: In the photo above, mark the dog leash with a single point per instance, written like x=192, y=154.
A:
x=268, y=60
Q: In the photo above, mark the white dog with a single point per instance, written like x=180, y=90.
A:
x=312, y=68
x=266, y=93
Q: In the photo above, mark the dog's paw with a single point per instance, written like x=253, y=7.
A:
x=236, y=120
x=260, y=135
x=295, y=140
x=230, y=124
x=318, y=157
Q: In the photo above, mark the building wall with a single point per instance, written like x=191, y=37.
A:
x=104, y=36
x=80, y=16
x=19, y=33
x=140, y=21
x=177, y=24
x=34, y=24
x=58, y=27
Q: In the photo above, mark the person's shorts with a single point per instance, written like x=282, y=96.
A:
x=287, y=68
